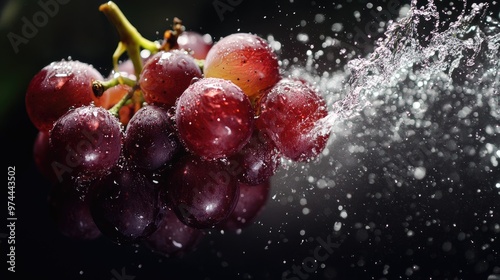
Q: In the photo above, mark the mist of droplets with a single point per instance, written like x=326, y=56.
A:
x=422, y=110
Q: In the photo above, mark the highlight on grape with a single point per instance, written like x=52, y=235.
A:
x=182, y=137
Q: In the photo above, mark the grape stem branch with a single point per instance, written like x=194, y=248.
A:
x=115, y=110
x=131, y=40
x=99, y=87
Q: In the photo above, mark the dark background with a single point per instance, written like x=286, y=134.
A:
x=455, y=237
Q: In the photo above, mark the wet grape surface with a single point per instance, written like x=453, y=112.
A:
x=407, y=188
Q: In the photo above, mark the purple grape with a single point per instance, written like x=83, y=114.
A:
x=150, y=139
x=125, y=205
x=257, y=161
x=201, y=193
x=69, y=208
x=43, y=157
x=173, y=238
x=85, y=142
x=251, y=201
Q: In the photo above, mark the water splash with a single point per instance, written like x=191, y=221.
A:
x=404, y=52
x=430, y=83
x=422, y=106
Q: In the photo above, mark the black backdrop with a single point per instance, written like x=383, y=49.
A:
x=283, y=237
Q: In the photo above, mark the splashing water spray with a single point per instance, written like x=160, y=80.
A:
x=415, y=136
x=439, y=87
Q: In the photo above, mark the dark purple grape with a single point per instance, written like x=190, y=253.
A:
x=150, y=139
x=214, y=118
x=251, y=201
x=173, y=238
x=125, y=205
x=166, y=75
x=201, y=193
x=43, y=156
x=257, y=161
x=69, y=207
x=58, y=87
x=85, y=142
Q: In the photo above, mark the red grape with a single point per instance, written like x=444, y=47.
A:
x=251, y=201
x=58, y=87
x=150, y=139
x=43, y=156
x=201, y=193
x=257, y=161
x=85, y=142
x=245, y=59
x=69, y=207
x=125, y=205
x=166, y=75
x=289, y=112
x=196, y=44
x=173, y=238
x=214, y=118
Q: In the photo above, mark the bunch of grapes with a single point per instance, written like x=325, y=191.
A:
x=182, y=137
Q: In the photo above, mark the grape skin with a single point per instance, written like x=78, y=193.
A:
x=257, y=161
x=69, y=208
x=125, y=205
x=166, y=75
x=85, y=142
x=214, y=118
x=201, y=193
x=173, y=238
x=56, y=88
x=150, y=139
x=245, y=59
x=43, y=157
x=289, y=112
x=251, y=202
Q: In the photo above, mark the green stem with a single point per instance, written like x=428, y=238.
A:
x=131, y=40
x=99, y=87
x=115, y=110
